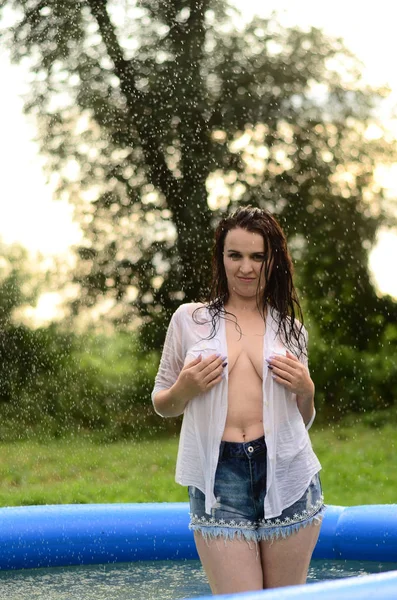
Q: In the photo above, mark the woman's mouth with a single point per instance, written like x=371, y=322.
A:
x=246, y=279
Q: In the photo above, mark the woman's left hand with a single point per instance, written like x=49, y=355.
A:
x=292, y=374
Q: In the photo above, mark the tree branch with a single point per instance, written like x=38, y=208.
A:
x=123, y=67
x=160, y=174
x=31, y=13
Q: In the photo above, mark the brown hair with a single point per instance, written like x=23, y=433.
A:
x=279, y=294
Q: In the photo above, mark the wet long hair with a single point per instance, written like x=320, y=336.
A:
x=279, y=295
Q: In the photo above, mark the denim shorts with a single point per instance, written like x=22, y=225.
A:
x=240, y=489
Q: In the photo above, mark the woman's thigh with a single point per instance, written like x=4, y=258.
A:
x=288, y=541
x=285, y=561
x=231, y=566
x=234, y=566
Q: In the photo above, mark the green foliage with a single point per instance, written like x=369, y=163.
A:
x=91, y=383
x=353, y=381
x=17, y=285
x=53, y=381
x=151, y=124
x=114, y=381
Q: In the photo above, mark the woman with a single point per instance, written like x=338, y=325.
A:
x=236, y=367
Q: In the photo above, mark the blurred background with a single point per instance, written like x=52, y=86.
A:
x=128, y=129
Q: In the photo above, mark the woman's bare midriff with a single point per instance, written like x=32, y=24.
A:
x=244, y=420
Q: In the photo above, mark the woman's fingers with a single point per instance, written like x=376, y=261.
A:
x=290, y=373
x=283, y=362
x=204, y=373
x=215, y=372
x=208, y=361
x=286, y=370
x=282, y=371
x=283, y=374
x=194, y=362
x=211, y=363
x=215, y=381
x=203, y=364
x=282, y=381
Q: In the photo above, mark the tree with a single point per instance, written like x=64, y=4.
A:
x=23, y=353
x=143, y=109
x=16, y=285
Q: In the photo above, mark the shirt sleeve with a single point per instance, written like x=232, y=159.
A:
x=310, y=423
x=172, y=359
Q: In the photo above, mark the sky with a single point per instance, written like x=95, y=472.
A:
x=29, y=214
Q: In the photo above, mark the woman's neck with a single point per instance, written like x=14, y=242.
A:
x=241, y=305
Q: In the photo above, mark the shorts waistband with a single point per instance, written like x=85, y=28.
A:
x=241, y=449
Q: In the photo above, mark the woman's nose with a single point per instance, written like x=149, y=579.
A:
x=246, y=266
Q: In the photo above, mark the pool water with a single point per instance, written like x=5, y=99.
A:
x=167, y=580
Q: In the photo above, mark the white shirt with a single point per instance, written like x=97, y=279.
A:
x=291, y=462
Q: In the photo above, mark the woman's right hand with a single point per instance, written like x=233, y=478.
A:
x=199, y=376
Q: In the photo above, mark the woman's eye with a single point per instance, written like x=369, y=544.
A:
x=256, y=257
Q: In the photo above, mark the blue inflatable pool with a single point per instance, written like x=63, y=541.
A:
x=43, y=536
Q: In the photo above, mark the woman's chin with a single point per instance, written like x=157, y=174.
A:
x=243, y=293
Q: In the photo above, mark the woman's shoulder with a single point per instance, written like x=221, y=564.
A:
x=188, y=308
x=298, y=326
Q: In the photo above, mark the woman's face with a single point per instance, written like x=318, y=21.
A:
x=243, y=257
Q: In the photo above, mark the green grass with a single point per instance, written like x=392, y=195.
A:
x=358, y=468
x=358, y=464
x=81, y=471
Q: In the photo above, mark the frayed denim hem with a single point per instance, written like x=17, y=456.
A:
x=283, y=531
x=227, y=533
x=269, y=533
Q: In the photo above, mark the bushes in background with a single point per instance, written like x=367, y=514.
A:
x=53, y=383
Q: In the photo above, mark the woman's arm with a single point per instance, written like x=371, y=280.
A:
x=169, y=403
x=197, y=377
x=177, y=383
x=292, y=374
x=171, y=364
x=306, y=407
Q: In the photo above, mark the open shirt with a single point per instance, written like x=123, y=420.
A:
x=291, y=462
